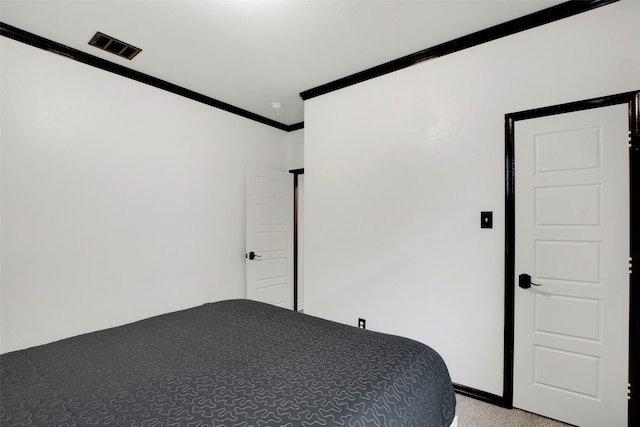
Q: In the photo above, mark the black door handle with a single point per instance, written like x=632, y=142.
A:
x=524, y=281
x=252, y=256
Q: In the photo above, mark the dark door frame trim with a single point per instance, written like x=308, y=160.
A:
x=632, y=99
x=296, y=173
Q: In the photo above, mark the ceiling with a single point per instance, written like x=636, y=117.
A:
x=251, y=53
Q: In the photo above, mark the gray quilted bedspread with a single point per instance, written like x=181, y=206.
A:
x=230, y=363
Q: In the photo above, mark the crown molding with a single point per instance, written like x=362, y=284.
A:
x=545, y=16
x=26, y=37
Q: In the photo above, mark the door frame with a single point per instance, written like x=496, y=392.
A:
x=632, y=99
x=296, y=173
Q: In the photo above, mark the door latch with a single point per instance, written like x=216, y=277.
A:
x=524, y=281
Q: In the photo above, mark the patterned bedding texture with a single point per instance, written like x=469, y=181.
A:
x=230, y=363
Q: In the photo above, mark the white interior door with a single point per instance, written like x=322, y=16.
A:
x=269, y=241
x=572, y=238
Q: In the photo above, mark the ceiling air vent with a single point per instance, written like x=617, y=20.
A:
x=108, y=43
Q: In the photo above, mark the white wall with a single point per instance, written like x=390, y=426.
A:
x=398, y=169
x=119, y=200
x=295, y=142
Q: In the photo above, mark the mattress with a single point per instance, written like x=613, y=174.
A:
x=229, y=363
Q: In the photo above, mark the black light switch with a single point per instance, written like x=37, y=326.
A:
x=486, y=219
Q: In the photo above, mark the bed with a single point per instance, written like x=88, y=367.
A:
x=229, y=363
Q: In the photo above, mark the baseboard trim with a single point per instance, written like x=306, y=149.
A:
x=484, y=396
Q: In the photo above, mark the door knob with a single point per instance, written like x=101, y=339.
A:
x=524, y=281
x=253, y=255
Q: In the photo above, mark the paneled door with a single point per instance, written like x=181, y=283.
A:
x=572, y=266
x=269, y=239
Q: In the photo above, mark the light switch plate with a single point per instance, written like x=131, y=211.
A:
x=486, y=219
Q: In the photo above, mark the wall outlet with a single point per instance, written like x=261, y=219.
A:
x=362, y=323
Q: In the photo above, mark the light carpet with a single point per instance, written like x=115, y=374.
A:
x=475, y=413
